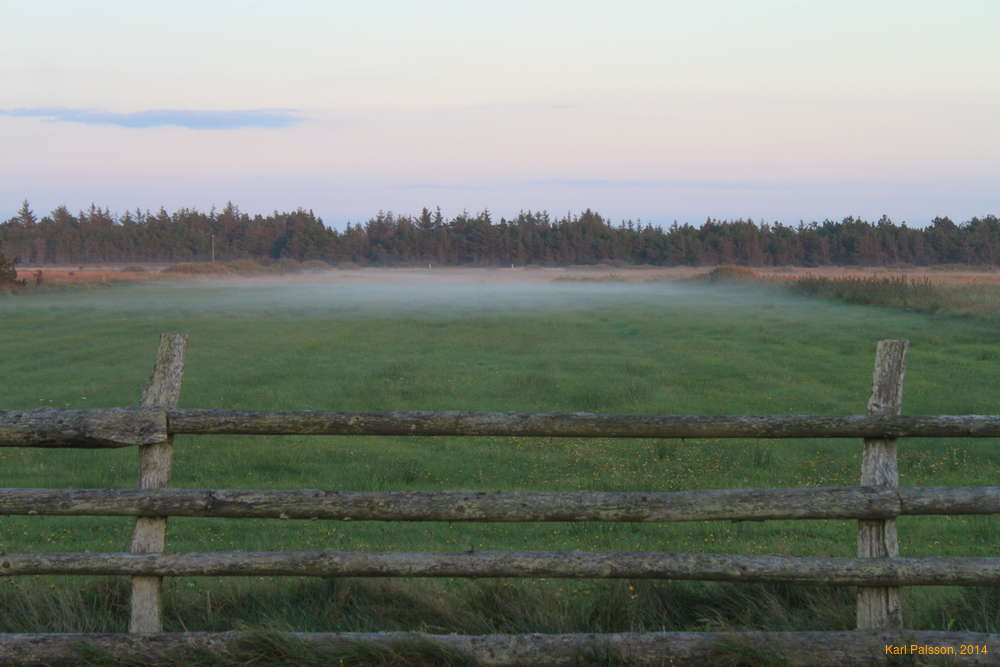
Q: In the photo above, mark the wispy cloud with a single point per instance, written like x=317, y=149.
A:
x=191, y=119
x=599, y=184
x=437, y=186
x=650, y=184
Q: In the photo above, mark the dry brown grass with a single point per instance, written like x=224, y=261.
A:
x=968, y=293
x=104, y=274
x=936, y=275
x=728, y=273
x=947, y=275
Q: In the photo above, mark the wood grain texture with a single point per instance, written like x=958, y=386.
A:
x=505, y=564
x=577, y=425
x=795, y=649
x=879, y=608
x=122, y=427
x=729, y=504
x=84, y=429
x=155, y=462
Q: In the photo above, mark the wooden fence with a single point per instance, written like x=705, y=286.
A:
x=878, y=571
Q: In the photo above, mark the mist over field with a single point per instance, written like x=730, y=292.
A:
x=410, y=293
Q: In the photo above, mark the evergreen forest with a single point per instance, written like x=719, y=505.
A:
x=98, y=236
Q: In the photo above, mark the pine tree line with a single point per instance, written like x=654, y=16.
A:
x=98, y=236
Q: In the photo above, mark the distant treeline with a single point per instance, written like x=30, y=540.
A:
x=98, y=236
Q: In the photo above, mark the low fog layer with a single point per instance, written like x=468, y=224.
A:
x=382, y=292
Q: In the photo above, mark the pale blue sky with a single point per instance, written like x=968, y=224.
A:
x=655, y=110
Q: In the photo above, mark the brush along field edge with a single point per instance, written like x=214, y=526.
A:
x=879, y=608
x=954, y=571
x=796, y=649
x=155, y=462
x=849, y=502
x=123, y=427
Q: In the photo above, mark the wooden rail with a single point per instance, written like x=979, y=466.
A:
x=124, y=427
x=85, y=429
x=579, y=425
x=512, y=564
x=848, y=502
x=878, y=571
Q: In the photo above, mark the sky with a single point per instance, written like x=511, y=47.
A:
x=660, y=111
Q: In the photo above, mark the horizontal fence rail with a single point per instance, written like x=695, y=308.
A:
x=578, y=425
x=123, y=427
x=849, y=502
x=797, y=649
x=878, y=571
x=514, y=564
x=88, y=429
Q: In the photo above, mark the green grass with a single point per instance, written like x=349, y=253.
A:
x=616, y=347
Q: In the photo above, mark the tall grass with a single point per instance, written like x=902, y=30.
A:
x=98, y=605
x=917, y=294
x=485, y=607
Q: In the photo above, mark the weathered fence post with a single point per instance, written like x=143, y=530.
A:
x=162, y=392
x=879, y=607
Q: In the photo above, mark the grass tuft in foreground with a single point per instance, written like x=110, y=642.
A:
x=483, y=607
x=280, y=650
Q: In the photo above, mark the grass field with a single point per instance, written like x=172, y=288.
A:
x=482, y=344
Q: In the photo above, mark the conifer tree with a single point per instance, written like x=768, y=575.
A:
x=8, y=274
